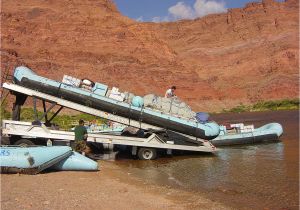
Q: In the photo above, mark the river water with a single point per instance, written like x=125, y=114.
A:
x=260, y=176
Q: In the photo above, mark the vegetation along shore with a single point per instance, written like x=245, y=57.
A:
x=66, y=121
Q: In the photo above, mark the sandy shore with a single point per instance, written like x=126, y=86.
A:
x=109, y=188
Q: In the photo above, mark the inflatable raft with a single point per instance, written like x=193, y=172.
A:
x=76, y=162
x=32, y=160
x=95, y=97
x=237, y=136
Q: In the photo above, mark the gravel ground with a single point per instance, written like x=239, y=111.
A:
x=109, y=188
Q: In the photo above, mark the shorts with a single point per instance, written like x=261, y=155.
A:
x=79, y=145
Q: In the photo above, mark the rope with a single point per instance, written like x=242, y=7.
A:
x=58, y=89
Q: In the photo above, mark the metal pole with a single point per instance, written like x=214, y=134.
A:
x=44, y=106
x=34, y=109
x=45, y=112
x=56, y=113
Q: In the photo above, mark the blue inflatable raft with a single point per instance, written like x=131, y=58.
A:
x=76, y=162
x=96, y=99
x=32, y=160
x=237, y=136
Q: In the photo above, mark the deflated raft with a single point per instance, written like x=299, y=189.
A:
x=32, y=160
x=267, y=133
x=76, y=162
x=97, y=99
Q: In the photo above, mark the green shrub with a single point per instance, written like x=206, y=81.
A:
x=285, y=104
x=4, y=114
x=65, y=122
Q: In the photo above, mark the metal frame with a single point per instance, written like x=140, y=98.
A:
x=17, y=128
x=27, y=130
x=78, y=107
x=88, y=110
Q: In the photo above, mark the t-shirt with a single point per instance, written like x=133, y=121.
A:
x=169, y=93
x=80, y=131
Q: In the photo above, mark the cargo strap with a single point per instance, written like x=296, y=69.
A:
x=129, y=118
x=141, y=116
x=58, y=89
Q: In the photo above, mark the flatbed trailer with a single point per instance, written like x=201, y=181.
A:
x=146, y=148
x=28, y=132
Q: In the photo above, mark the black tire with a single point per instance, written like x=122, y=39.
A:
x=147, y=153
x=24, y=143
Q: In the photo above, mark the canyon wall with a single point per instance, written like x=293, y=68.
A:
x=218, y=61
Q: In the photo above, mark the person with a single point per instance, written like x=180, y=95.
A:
x=170, y=92
x=80, y=144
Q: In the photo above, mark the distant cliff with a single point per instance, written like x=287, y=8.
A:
x=218, y=61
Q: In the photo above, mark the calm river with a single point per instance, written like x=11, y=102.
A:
x=261, y=176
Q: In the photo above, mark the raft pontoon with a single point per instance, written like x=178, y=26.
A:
x=94, y=98
x=34, y=159
x=241, y=135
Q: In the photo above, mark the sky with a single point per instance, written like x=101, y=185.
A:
x=171, y=10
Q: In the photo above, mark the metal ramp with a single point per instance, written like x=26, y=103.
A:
x=56, y=101
x=78, y=107
x=40, y=131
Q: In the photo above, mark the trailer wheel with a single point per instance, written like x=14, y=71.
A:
x=147, y=153
x=24, y=142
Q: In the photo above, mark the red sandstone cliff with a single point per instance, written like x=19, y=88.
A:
x=217, y=62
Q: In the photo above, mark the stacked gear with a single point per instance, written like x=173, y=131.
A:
x=172, y=106
x=169, y=114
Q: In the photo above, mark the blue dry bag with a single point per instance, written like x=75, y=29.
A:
x=202, y=117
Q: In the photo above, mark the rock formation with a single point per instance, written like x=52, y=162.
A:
x=217, y=61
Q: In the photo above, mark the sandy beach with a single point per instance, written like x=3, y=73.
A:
x=109, y=188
